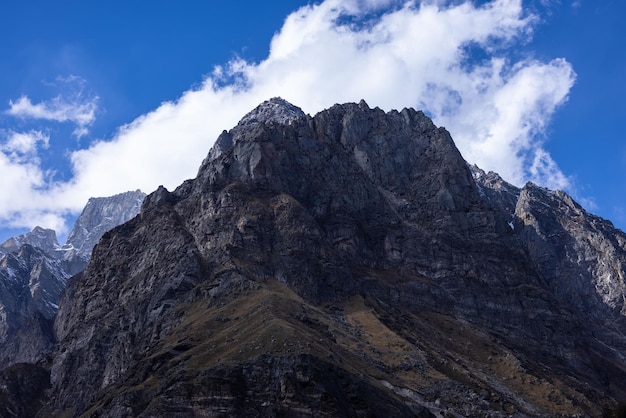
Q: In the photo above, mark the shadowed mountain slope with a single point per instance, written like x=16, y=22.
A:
x=345, y=264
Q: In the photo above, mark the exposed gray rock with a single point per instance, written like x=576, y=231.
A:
x=34, y=270
x=45, y=239
x=346, y=264
x=30, y=284
x=582, y=256
x=99, y=216
x=275, y=110
x=499, y=193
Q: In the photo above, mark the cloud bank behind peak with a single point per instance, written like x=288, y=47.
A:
x=456, y=61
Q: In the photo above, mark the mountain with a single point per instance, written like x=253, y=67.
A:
x=349, y=264
x=581, y=257
x=34, y=270
x=44, y=239
x=30, y=284
x=99, y=216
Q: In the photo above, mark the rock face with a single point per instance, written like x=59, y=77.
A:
x=346, y=264
x=22, y=390
x=99, y=216
x=581, y=257
x=30, y=284
x=34, y=270
x=44, y=239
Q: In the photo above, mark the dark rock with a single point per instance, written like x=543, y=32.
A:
x=582, y=256
x=346, y=264
x=34, y=270
x=99, y=216
x=22, y=390
x=30, y=285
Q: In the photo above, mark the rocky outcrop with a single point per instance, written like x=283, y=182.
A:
x=44, y=239
x=582, y=256
x=100, y=215
x=22, y=390
x=345, y=264
x=501, y=195
x=30, y=284
x=579, y=256
x=34, y=270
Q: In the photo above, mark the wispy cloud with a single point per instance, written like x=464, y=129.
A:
x=72, y=106
x=392, y=54
x=24, y=144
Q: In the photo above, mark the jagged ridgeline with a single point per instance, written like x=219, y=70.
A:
x=34, y=270
x=345, y=264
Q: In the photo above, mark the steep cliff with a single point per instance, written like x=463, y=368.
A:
x=99, y=216
x=30, y=284
x=345, y=264
x=34, y=269
x=580, y=257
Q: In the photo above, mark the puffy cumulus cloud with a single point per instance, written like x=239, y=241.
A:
x=74, y=107
x=449, y=58
x=501, y=123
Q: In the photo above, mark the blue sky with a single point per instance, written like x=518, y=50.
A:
x=100, y=98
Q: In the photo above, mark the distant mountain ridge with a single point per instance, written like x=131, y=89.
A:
x=100, y=215
x=34, y=270
x=581, y=255
x=45, y=239
x=345, y=264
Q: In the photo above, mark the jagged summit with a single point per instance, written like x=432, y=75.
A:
x=39, y=237
x=348, y=263
x=34, y=270
x=275, y=109
x=100, y=215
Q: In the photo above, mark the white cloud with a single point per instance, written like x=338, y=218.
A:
x=414, y=54
x=501, y=126
x=21, y=144
x=24, y=194
x=77, y=109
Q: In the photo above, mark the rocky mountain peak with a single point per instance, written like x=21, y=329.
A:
x=100, y=215
x=349, y=263
x=34, y=271
x=276, y=110
x=30, y=284
x=39, y=237
x=497, y=191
